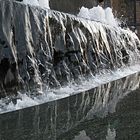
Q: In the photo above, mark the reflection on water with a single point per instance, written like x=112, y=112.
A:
x=124, y=124
x=82, y=136
x=108, y=112
x=111, y=134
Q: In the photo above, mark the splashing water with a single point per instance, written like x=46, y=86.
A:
x=41, y=3
x=44, y=3
x=121, y=43
x=96, y=13
x=99, y=14
x=24, y=101
x=31, y=2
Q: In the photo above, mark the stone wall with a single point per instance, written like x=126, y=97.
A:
x=138, y=11
x=71, y=6
x=138, y=16
x=125, y=9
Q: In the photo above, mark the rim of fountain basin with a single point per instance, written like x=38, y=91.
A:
x=137, y=74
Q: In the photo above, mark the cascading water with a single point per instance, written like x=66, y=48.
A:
x=59, y=54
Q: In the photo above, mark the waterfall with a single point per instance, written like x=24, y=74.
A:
x=56, y=54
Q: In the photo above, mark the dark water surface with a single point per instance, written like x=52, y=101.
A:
x=108, y=112
x=124, y=124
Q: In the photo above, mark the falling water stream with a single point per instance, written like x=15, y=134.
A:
x=65, y=54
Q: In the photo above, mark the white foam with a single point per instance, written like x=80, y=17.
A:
x=31, y=2
x=44, y=3
x=99, y=14
x=41, y=3
x=25, y=101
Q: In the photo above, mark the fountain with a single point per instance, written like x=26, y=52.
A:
x=44, y=52
x=64, y=76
